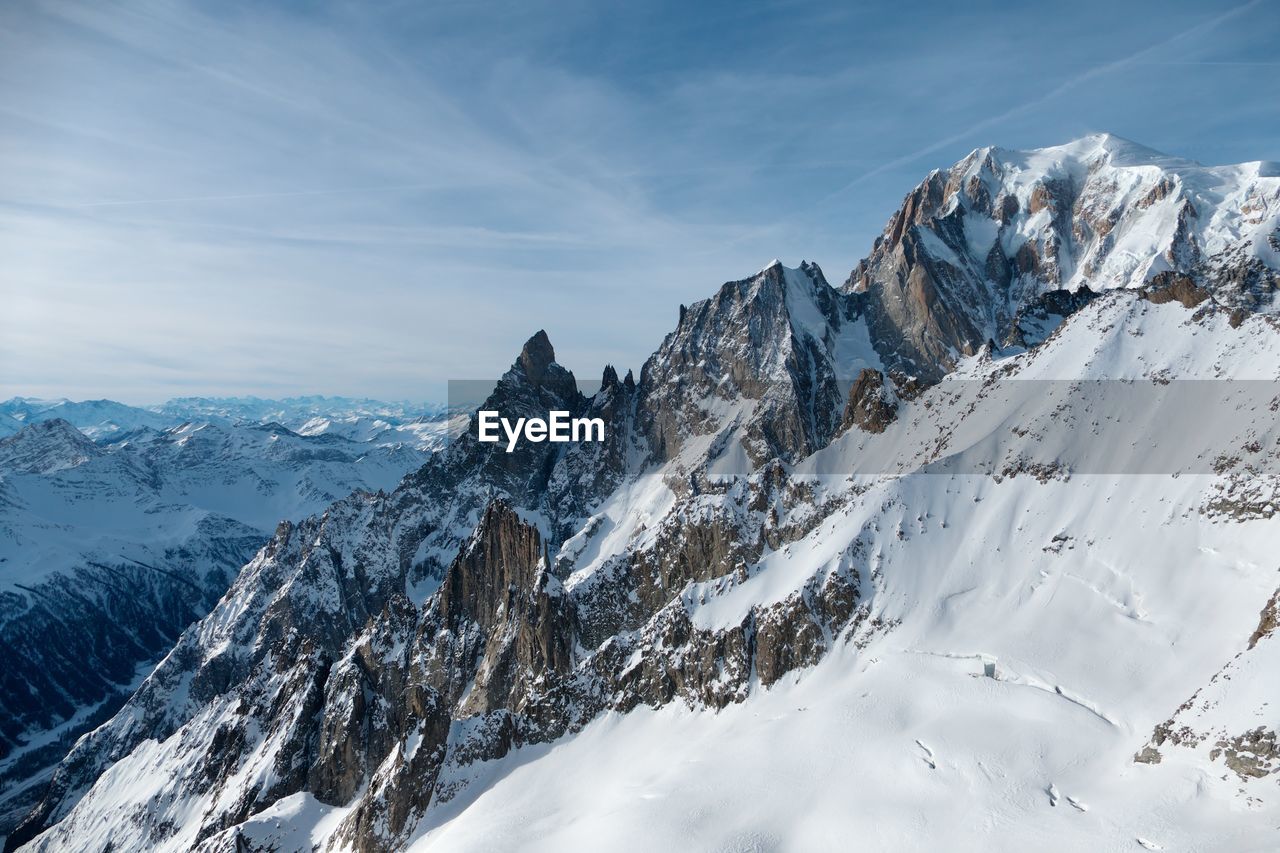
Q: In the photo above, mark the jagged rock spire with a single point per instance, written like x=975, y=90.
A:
x=536, y=356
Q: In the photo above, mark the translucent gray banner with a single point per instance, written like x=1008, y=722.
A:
x=998, y=427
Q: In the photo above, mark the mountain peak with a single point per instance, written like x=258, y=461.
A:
x=974, y=245
x=58, y=428
x=537, y=355
x=46, y=446
x=1115, y=150
x=536, y=368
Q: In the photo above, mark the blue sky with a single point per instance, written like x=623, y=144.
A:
x=371, y=198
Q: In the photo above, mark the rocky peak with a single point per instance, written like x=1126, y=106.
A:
x=502, y=560
x=536, y=356
x=45, y=447
x=973, y=246
x=532, y=476
x=609, y=379
x=778, y=343
x=537, y=366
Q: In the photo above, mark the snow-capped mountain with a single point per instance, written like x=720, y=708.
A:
x=45, y=448
x=833, y=573
x=419, y=425
x=976, y=248
x=95, y=418
x=109, y=550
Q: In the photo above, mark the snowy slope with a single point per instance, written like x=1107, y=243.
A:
x=1040, y=631
x=9, y=424
x=1135, y=212
x=45, y=448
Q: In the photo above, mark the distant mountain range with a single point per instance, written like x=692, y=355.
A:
x=730, y=625
x=110, y=548
x=361, y=420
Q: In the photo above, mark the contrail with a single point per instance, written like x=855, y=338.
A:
x=1066, y=85
x=244, y=196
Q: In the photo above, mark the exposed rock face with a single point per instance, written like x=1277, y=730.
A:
x=1252, y=755
x=974, y=246
x=538, y=361
x=751, y=341
x=500, y=591
x=871, y=405
x=1038, y=319
x=1268, y=621
x=1174, y=287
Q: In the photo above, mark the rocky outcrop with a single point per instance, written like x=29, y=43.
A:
x=1174, y=287
x=1039, y=318
x=1268, y=621
x=871, y=406
x=746, y=344
x=1252, y=755
x=504, y=609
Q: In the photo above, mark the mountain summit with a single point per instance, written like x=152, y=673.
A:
x=45, y=447
x=975, y=245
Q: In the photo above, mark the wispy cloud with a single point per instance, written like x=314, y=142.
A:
x=370, y=198
x=1098, y=71
x=251, y=196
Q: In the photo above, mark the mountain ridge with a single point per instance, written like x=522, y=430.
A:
x=718, y=549
x=973, y=245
